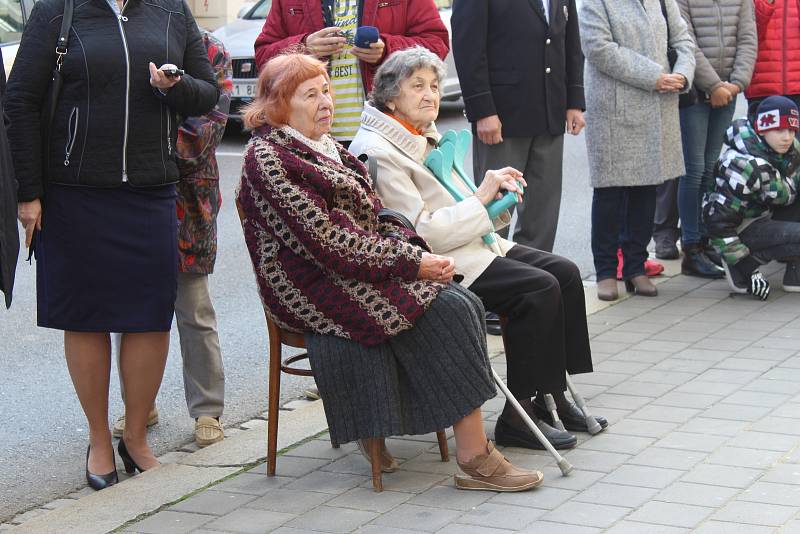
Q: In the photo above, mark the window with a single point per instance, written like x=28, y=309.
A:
x=11, y=21
x=261, y=10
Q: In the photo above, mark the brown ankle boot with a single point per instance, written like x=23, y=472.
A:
x=607, y=289
x=494, y=473
x=641, y=285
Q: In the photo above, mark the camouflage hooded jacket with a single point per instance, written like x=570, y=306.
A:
x=751, y=180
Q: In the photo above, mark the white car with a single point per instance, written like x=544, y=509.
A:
x=13, y=16
x=240, y=36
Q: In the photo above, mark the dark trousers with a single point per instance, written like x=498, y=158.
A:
x=541, y=294
x=777, y=238
x=539, y=159
x=622, y=217
x=665, y=218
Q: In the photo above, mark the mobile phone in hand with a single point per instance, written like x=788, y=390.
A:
x=173, y=72
x=366, y=35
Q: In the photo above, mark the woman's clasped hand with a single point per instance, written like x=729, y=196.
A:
x=436, y=268
x=670, y=83
x=495, y=182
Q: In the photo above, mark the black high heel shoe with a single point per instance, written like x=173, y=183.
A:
x=98, y=482
x=127, y=459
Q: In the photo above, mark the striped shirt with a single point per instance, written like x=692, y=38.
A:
x=348, y=90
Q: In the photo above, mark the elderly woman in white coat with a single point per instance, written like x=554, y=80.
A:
x=540, y=293
x=633, y=130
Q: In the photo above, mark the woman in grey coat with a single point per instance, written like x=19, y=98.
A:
x=727, y=45
x=633, y=132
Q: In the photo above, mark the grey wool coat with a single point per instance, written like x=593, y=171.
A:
x=633, y=133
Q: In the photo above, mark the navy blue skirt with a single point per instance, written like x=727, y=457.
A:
x=107, y=259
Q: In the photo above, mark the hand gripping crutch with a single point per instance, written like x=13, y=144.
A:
x=563, y=464
x=591, y=423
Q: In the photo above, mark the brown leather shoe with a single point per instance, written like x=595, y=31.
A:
x=494, y=473
x=388, y=463
x=207, y=431
x=119, y=424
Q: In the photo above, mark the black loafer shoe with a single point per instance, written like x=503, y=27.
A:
x=573, y=418
x=508, y=436
x=493, y=324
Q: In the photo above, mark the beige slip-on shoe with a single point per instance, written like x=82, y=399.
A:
x=207, y=431
x=119, y=424
x=388, y=463
x=494, y=473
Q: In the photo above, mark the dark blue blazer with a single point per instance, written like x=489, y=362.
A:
x=514, y=64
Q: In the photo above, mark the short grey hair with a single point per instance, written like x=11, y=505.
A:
x=398, y=67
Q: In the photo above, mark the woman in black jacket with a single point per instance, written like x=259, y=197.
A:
x=97, y=197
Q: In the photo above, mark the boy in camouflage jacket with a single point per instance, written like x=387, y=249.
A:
x=752, y=216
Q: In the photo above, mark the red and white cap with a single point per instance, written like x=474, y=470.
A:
x=777, y=113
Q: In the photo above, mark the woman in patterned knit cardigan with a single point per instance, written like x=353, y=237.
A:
x=395, y=347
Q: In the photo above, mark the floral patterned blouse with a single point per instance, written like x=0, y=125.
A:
x=199, y=198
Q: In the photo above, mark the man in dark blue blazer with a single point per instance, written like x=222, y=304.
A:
x=520, y=67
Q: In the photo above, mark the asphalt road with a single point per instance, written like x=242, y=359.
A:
x=43, y=432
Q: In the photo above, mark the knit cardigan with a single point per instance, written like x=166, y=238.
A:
x=311, y=227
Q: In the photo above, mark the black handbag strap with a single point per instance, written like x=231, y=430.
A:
x=63, y=37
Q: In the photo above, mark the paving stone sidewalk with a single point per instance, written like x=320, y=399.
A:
x=702, y=392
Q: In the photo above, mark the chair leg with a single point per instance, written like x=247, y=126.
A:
x=376, y=453
x=274, y=395
x=443, y=451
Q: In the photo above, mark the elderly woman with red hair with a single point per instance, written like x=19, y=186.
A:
x=395, y=347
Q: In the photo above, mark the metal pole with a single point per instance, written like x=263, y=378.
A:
x=563, y=464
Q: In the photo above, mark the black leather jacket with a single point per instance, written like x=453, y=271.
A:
x=111, y=126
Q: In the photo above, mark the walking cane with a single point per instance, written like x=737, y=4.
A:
x=563, y=464
x=591, y=423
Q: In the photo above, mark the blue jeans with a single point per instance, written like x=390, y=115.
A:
x=702, y=133
x=622, y=217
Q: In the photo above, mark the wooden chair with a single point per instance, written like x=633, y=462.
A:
x=277, y=365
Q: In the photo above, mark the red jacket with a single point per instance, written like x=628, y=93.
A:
x=402, y=24
x=777, y=69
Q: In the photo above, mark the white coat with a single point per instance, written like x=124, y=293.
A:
x=404, y=184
